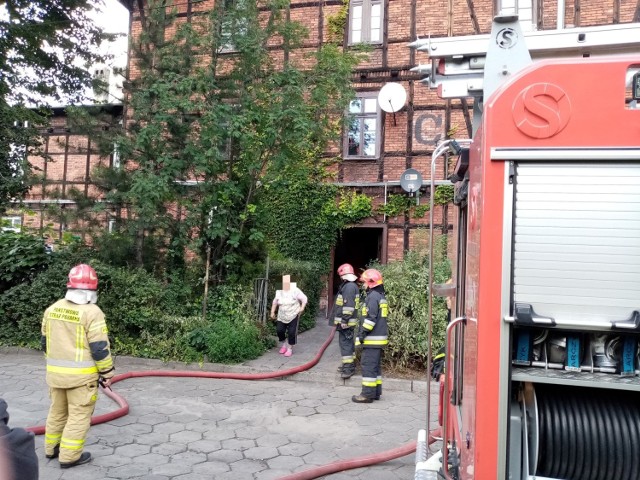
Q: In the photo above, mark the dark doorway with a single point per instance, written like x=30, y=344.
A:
x=358, y=246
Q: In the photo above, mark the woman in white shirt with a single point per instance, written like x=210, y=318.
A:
x=290, y=303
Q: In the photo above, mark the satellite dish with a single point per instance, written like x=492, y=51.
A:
x=392, y=97
x=411, y=180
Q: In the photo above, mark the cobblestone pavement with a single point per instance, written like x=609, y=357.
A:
x=197, y=429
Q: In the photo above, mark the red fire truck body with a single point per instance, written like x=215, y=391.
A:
x=554, y=113
x=541, y=373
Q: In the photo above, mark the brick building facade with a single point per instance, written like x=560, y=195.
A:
x=405, y=140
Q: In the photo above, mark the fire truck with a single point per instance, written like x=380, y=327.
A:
x=542, y=362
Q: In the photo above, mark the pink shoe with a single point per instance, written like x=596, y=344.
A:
x=288, y=353
x=283, y=349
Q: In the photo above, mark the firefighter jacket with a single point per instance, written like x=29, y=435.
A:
x=374, y=331
x=346, y=306
x=74, y=338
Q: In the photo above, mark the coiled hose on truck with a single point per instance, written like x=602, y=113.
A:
x=588, y=433
x=312, y=473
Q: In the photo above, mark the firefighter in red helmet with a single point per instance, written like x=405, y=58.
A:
x=373, y=336
x=76, y=346
x=345, y=318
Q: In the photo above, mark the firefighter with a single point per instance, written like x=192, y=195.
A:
x=345, y=318
x=373, y=336
x=76, y=345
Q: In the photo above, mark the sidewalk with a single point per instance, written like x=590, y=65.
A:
x=196, y=428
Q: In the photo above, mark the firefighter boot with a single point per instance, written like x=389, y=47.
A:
x=56, y=452
x=84, y=458
x=348, y=370
x=361, y=399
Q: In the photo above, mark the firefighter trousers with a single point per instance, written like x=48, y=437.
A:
x=346, y=340
x=371, y=363
x=69, y=420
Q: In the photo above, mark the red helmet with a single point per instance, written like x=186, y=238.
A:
x=345, y=269
x=371, y=278
x=84, y=277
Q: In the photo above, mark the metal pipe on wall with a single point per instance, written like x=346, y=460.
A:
x=561, y=12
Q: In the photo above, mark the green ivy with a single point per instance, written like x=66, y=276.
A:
x=400, y=204
x=302, y=216
x=396, y=205
x=443, y=195
x=336, y=24
x=353, y=206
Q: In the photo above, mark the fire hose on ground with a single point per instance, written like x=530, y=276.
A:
x=312, y=473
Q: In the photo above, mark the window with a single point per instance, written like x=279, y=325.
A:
x=234, y=24
x=363, y=132
x=11, y=224
x=115, y=163
x=365, y=21
x=524, y=9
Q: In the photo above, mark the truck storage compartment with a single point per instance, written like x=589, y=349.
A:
x=576, y=258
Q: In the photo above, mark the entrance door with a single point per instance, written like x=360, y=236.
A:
x=358, y=246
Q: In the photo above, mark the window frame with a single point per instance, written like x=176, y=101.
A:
x=12, y=226
x=526, y=25
x=228, y=26
x=367, y=6
x=378, y=117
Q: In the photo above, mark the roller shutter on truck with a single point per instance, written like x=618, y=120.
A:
x=576, y=251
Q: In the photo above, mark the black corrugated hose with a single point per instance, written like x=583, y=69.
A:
x=588, y=433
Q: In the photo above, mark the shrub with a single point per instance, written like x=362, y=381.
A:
x=406, y=284
x=230, y=335
x=146, y=317
x=22, y=256
x=22, y=306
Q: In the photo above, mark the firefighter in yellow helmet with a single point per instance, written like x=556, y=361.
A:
x=76, y=345
x=373, y=336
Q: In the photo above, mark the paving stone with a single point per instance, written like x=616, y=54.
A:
x=132, y=450
x=153, y=419
x=225, y=456
x=168, y=427
x=172, y=469
x=151, y=459
x=211, y=468
x=247, y=466
x=238, y=444
x=185, y=436
x=261, y=453
x=205, y=446
x=169, y=449
x=153, y=438
x=129, y=471
x=285, y=462
x=272, y=440
x=295, y=449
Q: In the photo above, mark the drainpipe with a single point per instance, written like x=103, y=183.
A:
x=384, y=216
x=561, y=11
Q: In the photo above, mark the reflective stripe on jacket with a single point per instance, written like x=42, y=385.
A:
x=347, y=304
x=375, y=311
x=76, y=344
